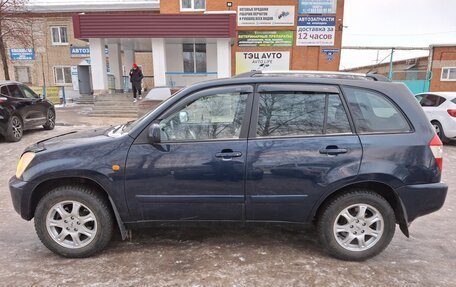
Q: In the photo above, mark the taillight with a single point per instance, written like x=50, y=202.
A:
x=452, y=112
x=437, y=150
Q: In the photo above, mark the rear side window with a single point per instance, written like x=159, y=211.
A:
x=300, y=113
x=431, y=101
x=15, y=92
x=374, y=113
x=4, y=91
x=453, y=100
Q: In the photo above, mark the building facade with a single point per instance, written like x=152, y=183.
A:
x=443, y=67
x=176, y=42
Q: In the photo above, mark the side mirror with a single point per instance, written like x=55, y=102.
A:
x=154, y=133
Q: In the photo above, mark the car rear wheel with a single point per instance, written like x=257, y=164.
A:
x=74, y=221
x=50, y=120
x=15, y=129
x=439, y=131
x=357, y=225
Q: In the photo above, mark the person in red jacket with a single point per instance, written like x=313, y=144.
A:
x=136, y=77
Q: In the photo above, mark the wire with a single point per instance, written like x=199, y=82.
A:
x=400, y=35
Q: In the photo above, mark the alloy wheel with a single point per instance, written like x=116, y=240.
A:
x=16, y=125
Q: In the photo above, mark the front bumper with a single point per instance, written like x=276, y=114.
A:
x=420, y=199
x=21, y=196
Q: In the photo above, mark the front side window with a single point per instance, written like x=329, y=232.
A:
x=448, y=74
x=28, y=93
x=59, y=35
x=300, y=113
x=194, y=58
x=374, y=113
x=193, y=5
x=62, y=75
x=213, y=116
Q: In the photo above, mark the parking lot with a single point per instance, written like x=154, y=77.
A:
x=224, y=256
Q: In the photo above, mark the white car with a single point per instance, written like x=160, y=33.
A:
x=440, y=108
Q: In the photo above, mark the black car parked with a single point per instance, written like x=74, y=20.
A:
x=21, y=109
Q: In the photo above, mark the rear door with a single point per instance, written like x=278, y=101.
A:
x=301, y=145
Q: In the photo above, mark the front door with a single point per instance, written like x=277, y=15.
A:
x=197, y=172
x=300, y=146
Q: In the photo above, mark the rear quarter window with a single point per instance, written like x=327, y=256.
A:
x=373, y=112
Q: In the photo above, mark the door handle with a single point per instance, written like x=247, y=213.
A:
x=228, y=154
x=333, y=150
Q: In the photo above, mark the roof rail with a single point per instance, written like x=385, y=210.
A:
x=316, y=74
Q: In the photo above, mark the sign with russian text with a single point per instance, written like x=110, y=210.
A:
x=256, y=61
x=266, y=15
x=330, y=53
x=265, y=38
x=317, y=7
x=316, y=31
x=22, y=54
x=82, y=52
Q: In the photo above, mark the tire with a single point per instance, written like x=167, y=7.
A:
x=340, y=221
x=56, y=217
x=15, y=129
x=439, y=130
x=50, y=120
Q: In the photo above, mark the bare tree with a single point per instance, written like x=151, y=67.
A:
x=15, y=28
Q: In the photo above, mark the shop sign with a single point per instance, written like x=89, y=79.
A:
x=250, y=61
x=265, y=38
x=266, y=15
x=82, y=52
x=317, y=7
x=19, y=54
x=316, y=31
x=330, y=53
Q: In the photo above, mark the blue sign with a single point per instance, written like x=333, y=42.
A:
x=316, y=21
x=317, y=7
x=329, y=53
x=18, y=54
x=82, y=51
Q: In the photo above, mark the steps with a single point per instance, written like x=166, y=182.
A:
x=85, y=100
x=114, y=106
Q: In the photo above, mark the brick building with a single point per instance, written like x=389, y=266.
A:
x=443, y=67
x=177, y=42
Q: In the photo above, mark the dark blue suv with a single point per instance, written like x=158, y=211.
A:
x=353, y=154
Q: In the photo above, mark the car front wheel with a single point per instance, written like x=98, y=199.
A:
x=74, y=221
x=356, y=225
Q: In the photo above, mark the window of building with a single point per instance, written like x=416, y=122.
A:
x=62, y=75
x=22, y=74
x=216, y=115
x=300, y=113
x=448, y=74
x=374, y=113
x=194, y=58
x=193, y=5
x=59, y=35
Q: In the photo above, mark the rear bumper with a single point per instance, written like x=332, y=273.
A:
x=421, y=199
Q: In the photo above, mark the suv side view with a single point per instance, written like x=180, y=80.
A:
x=353, y=154
x=20, y=109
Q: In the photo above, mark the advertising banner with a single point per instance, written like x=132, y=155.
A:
x=22, y=54
x=316, y=31
x=266, y=15
x=249, y=61
x=265, y=38
x=317, y=7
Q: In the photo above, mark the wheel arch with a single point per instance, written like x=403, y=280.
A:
x=384, y=190
x=46, y=186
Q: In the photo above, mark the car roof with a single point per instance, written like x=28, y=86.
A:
x=5, y=82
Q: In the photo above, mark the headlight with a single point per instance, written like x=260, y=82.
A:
x=24, y=162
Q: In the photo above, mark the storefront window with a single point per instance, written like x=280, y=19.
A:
x=62, y=75
x=194, y=58
x=191, y=5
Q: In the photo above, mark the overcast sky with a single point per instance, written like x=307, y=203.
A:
x=416, y=23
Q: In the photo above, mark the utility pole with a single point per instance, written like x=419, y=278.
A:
x=390, y=74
